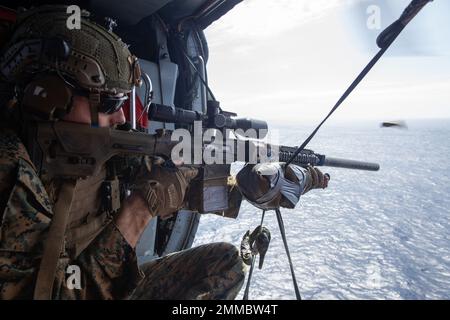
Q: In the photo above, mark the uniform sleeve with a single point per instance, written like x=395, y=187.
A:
x=24, y=220
x=109, y=268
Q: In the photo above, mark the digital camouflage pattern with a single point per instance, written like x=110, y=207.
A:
x=108, y=265
x=211, y=271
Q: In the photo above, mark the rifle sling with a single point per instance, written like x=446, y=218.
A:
x=54, y=242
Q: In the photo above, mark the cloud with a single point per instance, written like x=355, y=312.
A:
x=372, y=101
x=267, y=18
x=292, y=59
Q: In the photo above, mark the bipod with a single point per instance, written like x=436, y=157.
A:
x=257, y=243
x=283, y=235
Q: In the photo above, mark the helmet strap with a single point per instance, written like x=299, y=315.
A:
x=94, y=101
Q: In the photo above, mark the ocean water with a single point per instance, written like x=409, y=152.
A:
x=369, y=235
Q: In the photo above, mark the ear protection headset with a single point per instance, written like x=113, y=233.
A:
x=47, y=95
x=37, y=67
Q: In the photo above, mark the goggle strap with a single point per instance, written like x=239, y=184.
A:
x=94, y=102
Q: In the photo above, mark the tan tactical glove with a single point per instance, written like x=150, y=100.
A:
x=315, y=179
x=163, y=186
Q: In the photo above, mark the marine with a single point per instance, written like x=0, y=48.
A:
x=46, y=86
x=48, y=223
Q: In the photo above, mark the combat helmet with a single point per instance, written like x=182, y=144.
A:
x=44, y=49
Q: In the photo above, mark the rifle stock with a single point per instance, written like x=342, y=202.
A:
x=77, y=150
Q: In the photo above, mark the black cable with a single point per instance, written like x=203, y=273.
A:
x=341, y=99
x=385, y=40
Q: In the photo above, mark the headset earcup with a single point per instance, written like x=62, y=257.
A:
x=47, y=97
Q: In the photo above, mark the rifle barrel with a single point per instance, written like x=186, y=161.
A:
x=350, y=164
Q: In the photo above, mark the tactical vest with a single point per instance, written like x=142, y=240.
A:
x=84, y=211
x=82, y=208
x=87, y=215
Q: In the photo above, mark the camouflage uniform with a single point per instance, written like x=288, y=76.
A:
x=108, y=264
x=211, y=271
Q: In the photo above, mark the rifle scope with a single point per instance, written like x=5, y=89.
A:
x=215, y=118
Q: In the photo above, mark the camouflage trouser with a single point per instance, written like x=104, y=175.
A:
x=211, y=271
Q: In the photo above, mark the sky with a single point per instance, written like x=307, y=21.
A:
x=290, y=60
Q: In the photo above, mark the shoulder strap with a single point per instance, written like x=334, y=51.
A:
x=54, y=242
